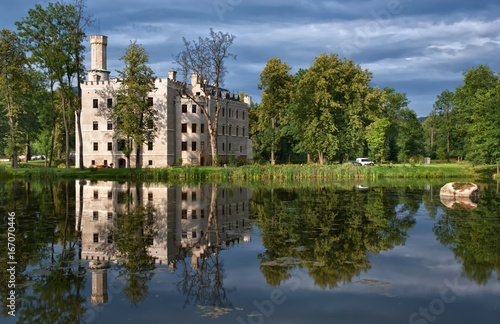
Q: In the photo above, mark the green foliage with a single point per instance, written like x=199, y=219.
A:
x=135, y=118
x=466, y=122
x=376, y=136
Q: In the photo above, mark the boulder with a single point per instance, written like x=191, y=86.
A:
x=459, y=194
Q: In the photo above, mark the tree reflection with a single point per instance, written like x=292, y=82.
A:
x=134, y=232
x=203, y=281
x=45, y=217
x=330, y=233
x=474, y=236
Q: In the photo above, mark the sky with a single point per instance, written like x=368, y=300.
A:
x=419, y=48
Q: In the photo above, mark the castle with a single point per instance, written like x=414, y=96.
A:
x=182, y=135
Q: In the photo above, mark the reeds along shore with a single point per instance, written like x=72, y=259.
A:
x=255, y=172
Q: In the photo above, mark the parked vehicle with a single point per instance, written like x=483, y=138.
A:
x=364, y=161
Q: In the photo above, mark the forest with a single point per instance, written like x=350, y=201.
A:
x=331, y=112
x=328, y=113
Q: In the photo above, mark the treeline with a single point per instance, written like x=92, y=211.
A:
x=465, y=124
x=331, y=113
x=41, y=67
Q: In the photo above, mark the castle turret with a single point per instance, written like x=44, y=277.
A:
x=98, y=66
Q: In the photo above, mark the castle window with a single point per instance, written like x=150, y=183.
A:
x=95, y=215
x=96, y=237
x=193, y=196
x=150, y=162
x=121, y=145
x=193, y=109
x=150, y=196
x=110, y=146
x=110, y=125
x=202, y=146
x=95, y=125
x=184, y=146
x=184, y=128
x=193, y=234
x=150, y=101
x=237, y=131
x=193, y=146
x=194, y=128
x=184, y=214
x=229, y=149
x=193, y=214
x=223, y=130
x=95, y=103
x=184, y=108
x=150, y=146
x=223, y=147
x=96, y=146
x=109, y=103
x=230, y=131
x=92, y=162
x=237, y=114
x=110, y=215
x=202, y=128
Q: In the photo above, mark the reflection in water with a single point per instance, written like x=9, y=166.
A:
x=138, y=227
x=474, y=236
x=132, y=234
x=329, y=232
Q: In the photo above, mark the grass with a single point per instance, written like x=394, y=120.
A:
x=254, y=172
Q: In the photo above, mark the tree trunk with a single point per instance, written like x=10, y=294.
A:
x=138, y=157
x=66, y=133
x=213, y=144
x=80, y=140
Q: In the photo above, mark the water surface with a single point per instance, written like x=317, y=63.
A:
x=96, y=252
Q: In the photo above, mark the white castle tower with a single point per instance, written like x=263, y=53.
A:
x=98, y=66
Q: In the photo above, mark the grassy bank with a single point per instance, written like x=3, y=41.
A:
x=255, y=172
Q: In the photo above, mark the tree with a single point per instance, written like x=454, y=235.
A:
x=480, y=78
x=444, y=107
x=376, y=136
x=54, y=36
x=485, y=128
x=410, y=140
x=13, y=88
x=206, y=59
x=392, y=103
x=277, y=84
x=134, y=116
x=335, y=103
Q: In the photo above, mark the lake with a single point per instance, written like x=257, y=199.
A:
x=310, y=252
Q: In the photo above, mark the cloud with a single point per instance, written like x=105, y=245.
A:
x=417, y=47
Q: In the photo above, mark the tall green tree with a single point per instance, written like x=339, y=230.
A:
x=410, y=140
x=376, y=136
x=54, y=36
x=335, y=103
x=134, y=117
x=391, y=104
x=476, y=79
x=444, y=106
x=13, y=89
x=276, y=84
x=206, y=58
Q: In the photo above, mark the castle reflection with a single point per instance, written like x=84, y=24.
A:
x=146, y=225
